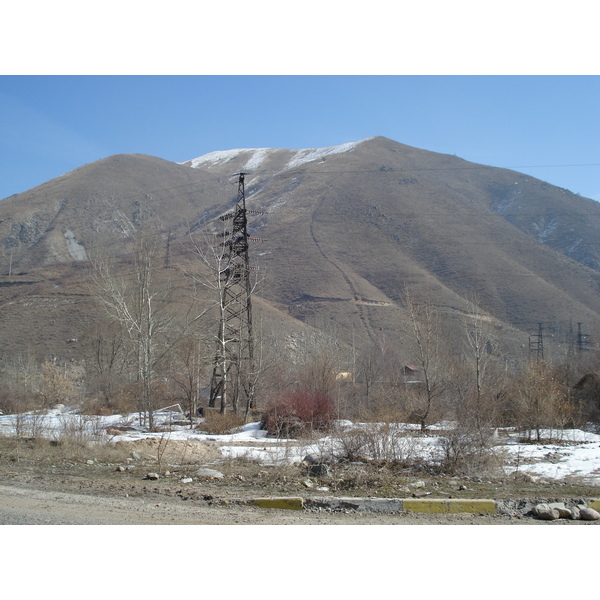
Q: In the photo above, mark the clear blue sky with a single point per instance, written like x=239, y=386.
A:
x=546, y=126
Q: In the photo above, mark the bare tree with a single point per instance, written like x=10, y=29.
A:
x=538, y=401
x=425, y=339
x=190, y=366
x=138, y=297
x=106, y=359
x=480, y=362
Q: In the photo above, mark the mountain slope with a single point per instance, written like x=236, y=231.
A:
x=362, y=221
x=346, y=229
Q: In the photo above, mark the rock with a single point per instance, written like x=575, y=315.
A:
x=307, y=483
x=417, y=484
x=186, y=480
x=563, y=511
x=575, y=513
x=318, y=458
x=153, y=476
x=209, y=473
x=120, y=469
x=544, y=512
x=589, y=514
x=89, y=462
x=135, y=456
x=525, y=477
x=319, y=470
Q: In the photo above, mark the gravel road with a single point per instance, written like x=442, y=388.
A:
x=21, y=505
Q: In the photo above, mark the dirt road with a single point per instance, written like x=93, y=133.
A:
x=42, y=484
x=21, y=505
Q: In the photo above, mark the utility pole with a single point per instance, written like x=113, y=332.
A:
x=536, y=343
x=582, y=339
x=233, y=375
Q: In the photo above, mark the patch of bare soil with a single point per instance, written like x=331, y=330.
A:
x=42, y=483
x=173, y=452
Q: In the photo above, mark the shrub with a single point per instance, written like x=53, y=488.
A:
x=537, y=402
x=299, y=413
x=468, y=451
x=378, y=442
x=218, y=423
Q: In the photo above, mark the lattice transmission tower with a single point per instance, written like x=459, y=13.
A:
x=233, y=378
x=536, y=343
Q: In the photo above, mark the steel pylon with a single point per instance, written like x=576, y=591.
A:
x=233, y=377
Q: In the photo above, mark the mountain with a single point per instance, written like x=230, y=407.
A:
x=346, y=229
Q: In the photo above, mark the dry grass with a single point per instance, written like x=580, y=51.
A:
x=46, y=452
x=218, y=423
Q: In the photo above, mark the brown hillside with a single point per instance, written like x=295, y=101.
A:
x=345, y=230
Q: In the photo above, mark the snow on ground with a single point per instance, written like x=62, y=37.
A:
x=572, y=453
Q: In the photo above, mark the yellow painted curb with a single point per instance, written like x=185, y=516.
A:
x=286, y=503
x=432, y=505
x=595, y=504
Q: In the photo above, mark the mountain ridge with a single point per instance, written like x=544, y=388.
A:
x=347, y=228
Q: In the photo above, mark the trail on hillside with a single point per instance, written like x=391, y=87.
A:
x=358, y=302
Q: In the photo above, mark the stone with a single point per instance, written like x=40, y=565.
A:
x=153, y=476
x=563, y=511
x=545, y=513
x=120, y=469
x=575, y=513
x=524, y=477
x=589, y=514
x=186, y=480
x=319, y=470
x=318, y=458
x=209, y=473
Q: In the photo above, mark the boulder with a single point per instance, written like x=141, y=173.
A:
x=209, y=474
x=318, y=458
x=563, y=511
x=319, y=470
x=544, y=512
x=589, y=514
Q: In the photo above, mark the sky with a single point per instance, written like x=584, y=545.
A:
x=546, y=126
x=516, y=88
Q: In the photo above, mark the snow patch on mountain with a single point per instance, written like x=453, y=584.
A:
x=256, y=156
x=222, y=156
x=308, y=155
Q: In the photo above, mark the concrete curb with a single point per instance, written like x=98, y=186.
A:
x=478, y=506
x=283, y=503
x=412, y=505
